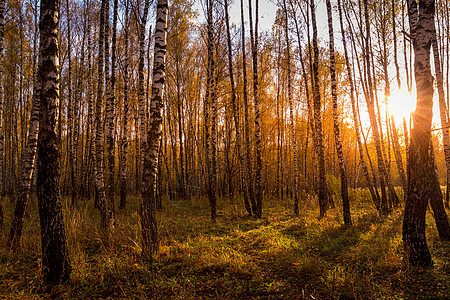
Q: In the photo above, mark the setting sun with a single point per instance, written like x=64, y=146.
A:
x=401, y=104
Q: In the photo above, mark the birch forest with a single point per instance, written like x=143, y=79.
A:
x=224, y=149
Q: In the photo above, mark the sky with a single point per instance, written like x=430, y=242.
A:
x=401, y=103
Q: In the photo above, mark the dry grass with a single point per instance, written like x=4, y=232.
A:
x=277, y=257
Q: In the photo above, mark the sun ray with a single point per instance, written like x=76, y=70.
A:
x=401, y=105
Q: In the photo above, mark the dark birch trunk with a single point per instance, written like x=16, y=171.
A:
x=373, y=118
x=28, y=167
x=70, y=117
x=337, y=135
x=291, y=110
x=2, y=46
x=248, y=163
x=98, y=152
x=324, y=201
x=124, y=146
x=371, y=188
x=143, y=115
x=236, y=117
x=212, y=101
x=421, y=172
x=258, y=150
x=110, y=111
x=55, y=256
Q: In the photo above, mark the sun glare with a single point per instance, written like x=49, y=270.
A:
x=401, y=104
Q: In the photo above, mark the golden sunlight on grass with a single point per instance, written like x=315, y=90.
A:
x=277, y=257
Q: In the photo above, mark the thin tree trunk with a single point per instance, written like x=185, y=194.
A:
x=2, y=46
x=236, y=114
x=337, y=135
x=398, y=155
x=291, y=109
x=324, y=202
x=153, y=136
x=141, y=96
x=212, y=98
x=98, y=153
x=248, y=164
x=110, y=111
x=123, y=177
x=258, y=168
x=394, y=30
x=373, y=118
x=89, y=150
x=70, y=117
x=76, y=125
x=354, y=112
x=28, y=166
x=405, y=133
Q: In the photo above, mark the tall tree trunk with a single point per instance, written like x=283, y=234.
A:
x=236, y=114
x=307, y=92
x=337, y=135
x=77, y=116
x=2, y=46
x=70, y=117
x=373, y=118
x=182, y=189
x=248, y=177
x=98, y=153
x=212, y=100
x=373, y=194
x=55, y=255
x=258, y=169
x=89, y=149
x=110, y=111
x=324, y=201
x=28, y=166
x=143, y=118
x=421, y=176
x=153, y=136
x=124, y=146
x=291, y=109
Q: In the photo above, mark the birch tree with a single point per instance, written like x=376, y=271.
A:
x=98, y=153
x=324, y=201
x=211, y=85
x=248, y=163
x=55, y=256
x=110, y=111
x=256, y=101
x=291, y=109
x=371, y=187
x=421, y=176
x=153, y=136
x=124, y=138
x=236, y=117
x=2, y=46
x=337, y=135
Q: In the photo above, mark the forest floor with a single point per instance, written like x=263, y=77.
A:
x=277, y=257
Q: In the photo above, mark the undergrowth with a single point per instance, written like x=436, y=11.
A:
x=277, y=257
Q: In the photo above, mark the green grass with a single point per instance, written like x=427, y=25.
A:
x=277, y=257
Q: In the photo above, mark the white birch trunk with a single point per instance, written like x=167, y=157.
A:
x=153, y=136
